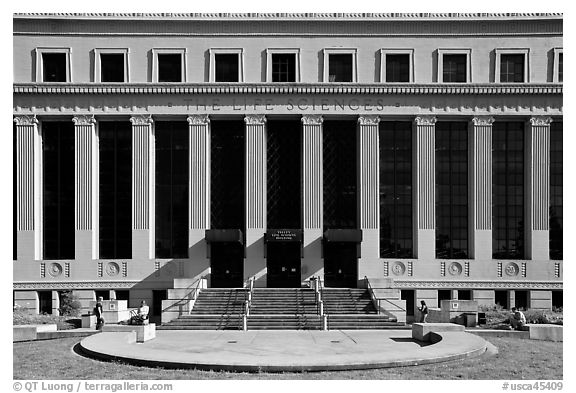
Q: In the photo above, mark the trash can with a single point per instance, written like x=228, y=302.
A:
x=481, y=318
x=469, y=319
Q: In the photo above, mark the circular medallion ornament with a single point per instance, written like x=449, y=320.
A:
x=455, y=269
x=398, y=268
x=512, y=269
x=55, y=269
x=112, y=269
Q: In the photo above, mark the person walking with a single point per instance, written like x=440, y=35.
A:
x=99, y=312
x=423, y=311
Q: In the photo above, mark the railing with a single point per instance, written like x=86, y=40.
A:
x=248, y=302
x=195, y=292
x=377, y=301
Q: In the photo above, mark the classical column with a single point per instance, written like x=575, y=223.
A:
x=28, y=191
x=538, y=189
x=86, y=187
x=369, y=191
x=143, y=187
x=312, y=194
x=481, y=209
x=425, y=187
x=199, y=128
x=255, y=196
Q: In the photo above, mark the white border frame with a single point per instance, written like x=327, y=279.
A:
x=512, y=51
x=172, y=51
x=339, y=51
x=455, y=51
x=555, y=69
x=98, y=65
x=273, y=51
x=385, y=51
x=219, y=51
x=39, y=65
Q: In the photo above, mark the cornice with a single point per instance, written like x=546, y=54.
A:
x=262, y=88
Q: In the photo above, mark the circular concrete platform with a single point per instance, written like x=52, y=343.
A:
x=282, y=350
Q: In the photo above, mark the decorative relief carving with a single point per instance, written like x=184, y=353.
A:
x=141, y=120
x=368, y=120
x=512, y=269
x=112, y=269
x=312, y=119
x=84, y=120
x=455, y=269
x=198, y=120
x=25, y=120
x=478, y=284
x=55, y=269
x=425, y=120
x=73, y=285
x=398, y=268
x=255, y=119
x=483, y=120
x=540, y=120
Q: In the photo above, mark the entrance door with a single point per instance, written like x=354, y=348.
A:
x=283, y=262
x=45, y=302
x=227, y=265
x=340, y=264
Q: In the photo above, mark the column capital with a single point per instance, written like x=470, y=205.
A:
x=368, y=120
x=483, y=120
x=198, y=120
x=84, y=120
x=25, y=120
x=255, y=119
x=425, y=120
x=312, y=119
x=141, y=120
x=540, y=120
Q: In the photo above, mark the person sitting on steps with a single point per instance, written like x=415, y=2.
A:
x=141, y=317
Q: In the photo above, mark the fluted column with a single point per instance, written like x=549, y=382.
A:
x=255, y=196
x=368, y=187
x=312, y=193
x=28, y=192
x=86, y=187
x=425, y=187
x=538, y=219
x=481, y=209
x=142, y=187
x=199, y=128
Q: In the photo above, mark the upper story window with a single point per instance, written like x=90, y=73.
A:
x=169, y=65
x=340, y=65
x=111, y=65
x=558, y=71
x=454, y=66
x=397, y=65
x=53, y=65
x=512, y=65
x=226, y=65
x=283, y=65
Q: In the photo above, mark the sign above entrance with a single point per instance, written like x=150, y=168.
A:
x=224, y=235
x=283, y=235
x=343, y=235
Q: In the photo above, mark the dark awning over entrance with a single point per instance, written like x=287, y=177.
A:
x=283, y=235
x=343, y=235
x=224, y=235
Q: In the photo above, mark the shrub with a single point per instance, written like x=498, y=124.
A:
x=69, y=304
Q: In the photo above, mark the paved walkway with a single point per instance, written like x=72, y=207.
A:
x=283, y=350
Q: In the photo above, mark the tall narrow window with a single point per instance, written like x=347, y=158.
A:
x=512, y=68
x=169, y=67
x=58, y=190
x=283, y=67
x=172, y=178
x=556, y=184
x=451, y=190
x=340, y=67
x=112, y=67
x=454, y=68
x=560, y=67
x=115, y=143
x=227, y=67
x=396, y=190
x=508, y=190
x=54, y=67
x=398, y=67
x=14, y=193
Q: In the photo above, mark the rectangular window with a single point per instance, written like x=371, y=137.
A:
x=169, y=67
x=454, y=68
x=115, y=143
x=508, y=190
x=283, y=67
x=54, y=67
x=227, y=67
x=340, y=67
x=556, y=191
x=451, y=190
x=172, y=163
x=397, y=68
x=396, y=190
x=560, y=67
x=112, y=67
x=58, y=190
x=512, y=68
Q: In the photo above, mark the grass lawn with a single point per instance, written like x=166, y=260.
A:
x=516, y=359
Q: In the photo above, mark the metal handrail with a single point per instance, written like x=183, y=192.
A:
x=377, y=300
x=196, y=292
